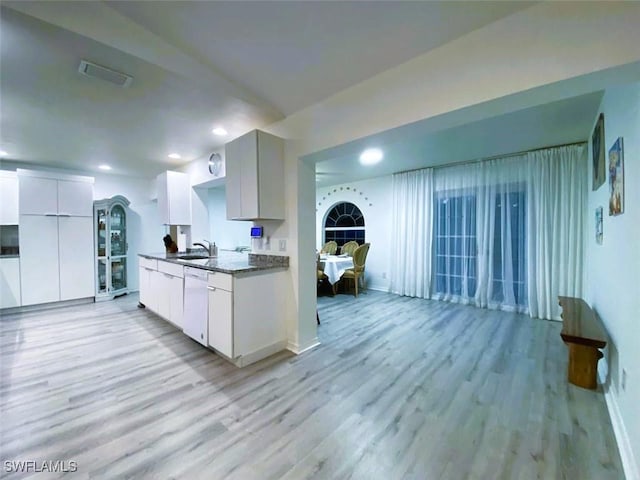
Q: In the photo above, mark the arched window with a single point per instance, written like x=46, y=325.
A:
x=343, y=223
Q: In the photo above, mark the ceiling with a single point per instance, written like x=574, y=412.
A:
x=195, y=65
x=421, y=144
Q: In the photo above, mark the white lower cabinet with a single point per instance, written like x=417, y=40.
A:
x=10, y=282
x=221, y=320
x=246, y=315
x=155, y=291
x=76, y=257
x=245, y=310
x=56, y=258
x=39, y=265
x=144, y=285
x=176, y=308
x=170, y=302
x=162, y=292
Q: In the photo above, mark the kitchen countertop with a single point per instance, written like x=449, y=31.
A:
x=226, y=262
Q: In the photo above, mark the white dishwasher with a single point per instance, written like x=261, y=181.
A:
x=196, y=304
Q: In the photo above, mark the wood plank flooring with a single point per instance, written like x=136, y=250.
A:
x=400, y=388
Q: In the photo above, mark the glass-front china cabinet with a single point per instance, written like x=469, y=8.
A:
x=110, y=218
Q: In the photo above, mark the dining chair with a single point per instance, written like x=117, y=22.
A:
x=349, y=247
x=357, y=272
x=322, y=278
x=330, y=247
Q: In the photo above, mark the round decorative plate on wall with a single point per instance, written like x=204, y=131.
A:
x=215, y=164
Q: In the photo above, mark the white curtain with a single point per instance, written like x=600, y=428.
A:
x=412, y=232
x=479, y=238
x=505, y=233
x=557, y=193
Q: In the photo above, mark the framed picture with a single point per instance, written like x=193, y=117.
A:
x=616, y=178
x=599, y=225
x=598, y=153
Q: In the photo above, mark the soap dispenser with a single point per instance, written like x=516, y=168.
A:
x=214, y=249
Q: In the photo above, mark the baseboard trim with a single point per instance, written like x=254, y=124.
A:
x=46, y=306
x=629, y=465
x=297, y=349
x=260, y=354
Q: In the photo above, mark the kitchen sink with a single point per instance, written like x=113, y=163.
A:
x=192, y=257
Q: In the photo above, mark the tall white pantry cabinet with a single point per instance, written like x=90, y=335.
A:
x=56, y=237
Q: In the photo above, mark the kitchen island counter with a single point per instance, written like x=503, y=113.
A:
x=226, y=261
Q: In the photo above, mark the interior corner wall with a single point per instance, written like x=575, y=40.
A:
x=373, y=198
x=613, y=273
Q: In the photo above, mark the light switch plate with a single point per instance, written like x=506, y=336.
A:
x=282, y=245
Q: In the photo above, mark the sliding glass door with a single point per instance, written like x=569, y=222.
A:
x=479, y=246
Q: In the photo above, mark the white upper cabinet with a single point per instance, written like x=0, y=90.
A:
x=254, y=166
x=174, y=198
x=75, y=198
x=8, y=198
x=43, y=193
x=38, y=196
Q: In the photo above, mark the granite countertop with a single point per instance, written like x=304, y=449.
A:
x=227, y=261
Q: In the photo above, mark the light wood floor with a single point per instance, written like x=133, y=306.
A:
x=400, y=388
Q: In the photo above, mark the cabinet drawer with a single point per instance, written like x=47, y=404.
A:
x=148, y=263
x=171, y=268
x=221, y=280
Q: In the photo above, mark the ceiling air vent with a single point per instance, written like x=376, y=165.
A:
x=103, y=73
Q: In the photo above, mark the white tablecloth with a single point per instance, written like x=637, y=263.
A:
x=334, y=266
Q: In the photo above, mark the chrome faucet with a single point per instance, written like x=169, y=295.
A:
x=211, y=248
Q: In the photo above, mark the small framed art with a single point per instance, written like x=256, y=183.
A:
x=616, y=178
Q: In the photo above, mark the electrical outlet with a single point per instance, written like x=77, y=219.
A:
x=384, y=275
x=282, y=245
x=623, y=381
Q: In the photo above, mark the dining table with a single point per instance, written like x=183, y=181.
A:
x=334, y=266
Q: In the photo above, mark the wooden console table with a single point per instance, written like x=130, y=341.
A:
x=584, y=335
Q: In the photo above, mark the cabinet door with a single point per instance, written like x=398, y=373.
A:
x=8, y=200
x=39, y=268
x=144, y=285
x=179, y=191
x=233, y=180
x=77, y=276
x=163, y=199
x=270, y=176
x=249, y=188
x=176, y=294
x=221, y=320
x=164, y=296
x=38, y=196
x=9, y=282
x=75, y=198
x=174, y=198
x=155, y=290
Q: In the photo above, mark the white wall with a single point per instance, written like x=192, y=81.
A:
x=227, y=234
x=613, y=272
x=373, y=198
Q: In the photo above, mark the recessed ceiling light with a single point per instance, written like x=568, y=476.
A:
x=104, y=167
x=3, y=153
x=219, y=131
x=371, y=156
x=175, y=155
